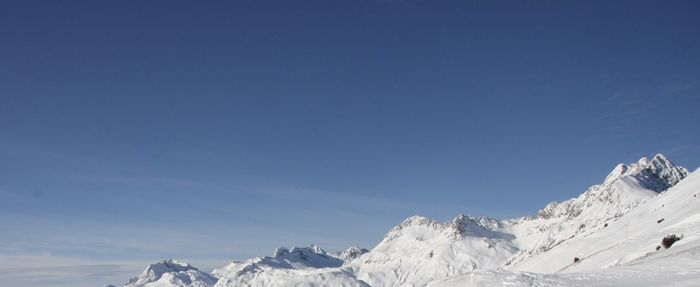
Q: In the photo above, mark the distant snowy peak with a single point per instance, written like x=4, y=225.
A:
x=415, y=221
x=458, y=228
x=299, y=252
x=172, y=273
x=312, y=256
x=298, y=266
x=283, y=258
x=464, y=226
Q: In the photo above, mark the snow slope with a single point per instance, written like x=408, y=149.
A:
x=623, y=189
x=622, y=254
x=632, y=237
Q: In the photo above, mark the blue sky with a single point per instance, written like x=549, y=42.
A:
x=132, y=131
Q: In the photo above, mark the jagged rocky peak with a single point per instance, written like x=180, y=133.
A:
x=299, y=252
x=550, y=210
x=350, y=253
x=465, y=225
x=354, y=252
x=657, y=174
x=662, y=171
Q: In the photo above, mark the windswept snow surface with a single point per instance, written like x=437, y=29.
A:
x=614, y=229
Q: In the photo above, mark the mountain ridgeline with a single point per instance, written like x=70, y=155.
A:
x=612, y=231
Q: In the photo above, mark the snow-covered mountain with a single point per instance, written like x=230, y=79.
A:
x=631, y=238
x=420, y=249
x=623, y=189
x=172, y=273
x=291, y=267
x=613, y=228
x=627, y=252
x=283, y=258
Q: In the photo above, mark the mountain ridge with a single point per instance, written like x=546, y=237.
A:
x=421, y=251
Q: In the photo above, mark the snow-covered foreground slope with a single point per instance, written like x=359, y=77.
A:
x=678, y=268
x=622, y=254
x=613, y=229
x=623, y=189
x=631, y=238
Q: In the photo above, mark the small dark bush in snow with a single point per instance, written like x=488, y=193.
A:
x=669, y=240
x=660, y=220
x=658, y=247
x=606, y=225
x=576, y=259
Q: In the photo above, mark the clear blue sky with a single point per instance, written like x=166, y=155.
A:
x=150, y=129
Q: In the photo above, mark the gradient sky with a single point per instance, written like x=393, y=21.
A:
x=132, y=131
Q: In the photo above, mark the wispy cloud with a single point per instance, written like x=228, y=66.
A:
x=42, y=269
x=145, y=181
x=28, y=270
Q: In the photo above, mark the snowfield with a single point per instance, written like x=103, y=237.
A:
x=611, y=235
